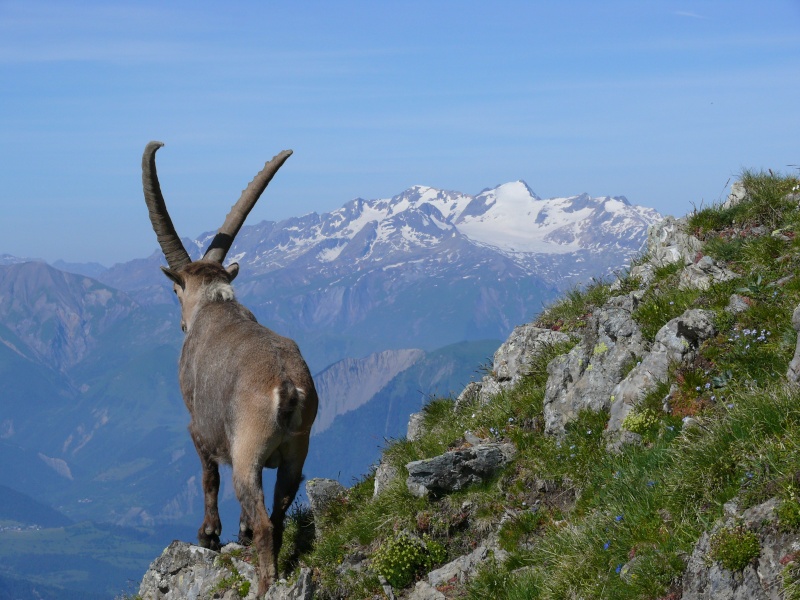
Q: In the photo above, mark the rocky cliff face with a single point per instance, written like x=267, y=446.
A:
x=352, y=382
x=56, y=317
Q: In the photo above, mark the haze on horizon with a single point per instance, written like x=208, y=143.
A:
x=660, y=101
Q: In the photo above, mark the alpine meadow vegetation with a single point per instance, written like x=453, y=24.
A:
x=611, y=524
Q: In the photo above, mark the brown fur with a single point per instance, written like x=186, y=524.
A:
x=252, y=403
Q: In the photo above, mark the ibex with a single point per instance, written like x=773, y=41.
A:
x=248, y=390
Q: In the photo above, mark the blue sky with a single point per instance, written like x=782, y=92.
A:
x=660, y=101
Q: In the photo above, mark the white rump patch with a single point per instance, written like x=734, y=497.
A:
x=297, y=415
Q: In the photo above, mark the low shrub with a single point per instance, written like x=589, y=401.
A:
x=734, y=547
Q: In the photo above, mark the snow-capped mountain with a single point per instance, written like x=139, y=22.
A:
x=510, y=220
x=514, y=219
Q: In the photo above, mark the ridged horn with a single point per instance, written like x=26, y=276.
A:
x=168, y=239
x=223, y=241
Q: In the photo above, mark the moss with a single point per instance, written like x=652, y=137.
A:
x=235, y=581
x=400, y=557
x=734, y=547
x=641, y=421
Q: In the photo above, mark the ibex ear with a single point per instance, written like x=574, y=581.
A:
x=174, y=276
x=232, y=270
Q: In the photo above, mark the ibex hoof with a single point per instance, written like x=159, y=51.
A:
x=246, y=537
x=209, y=541
x=264, y=585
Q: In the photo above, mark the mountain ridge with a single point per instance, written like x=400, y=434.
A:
x=383, y=230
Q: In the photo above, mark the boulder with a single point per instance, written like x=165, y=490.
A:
x=703, y=273
x=737, y=304
x=185, y=571
x=425, y=591
x=586, y=377
x=668, y=242
x=511, y=362
x=384, y=474
x=675, y=342
x=737, y=195
x=457, y=469
x=302, y=589
x=416, y=426
x=512, y=358
x=470, y=393
x=465, y=567
x=321, y=492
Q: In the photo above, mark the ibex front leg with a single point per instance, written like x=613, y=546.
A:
x=210, y=530
x=245, y=530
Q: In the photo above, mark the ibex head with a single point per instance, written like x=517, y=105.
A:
x=200, y=282
x=206, y=279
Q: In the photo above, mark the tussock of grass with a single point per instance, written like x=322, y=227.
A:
x=579, y=522
x=571, y=312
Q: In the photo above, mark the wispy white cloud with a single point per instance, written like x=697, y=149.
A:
x=689, y=14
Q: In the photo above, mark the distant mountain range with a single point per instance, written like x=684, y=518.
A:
x=429, y=267
x=391, y=301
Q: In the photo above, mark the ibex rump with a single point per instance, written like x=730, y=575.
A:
x=248, y=390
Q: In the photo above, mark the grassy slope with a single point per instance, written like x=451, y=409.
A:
x=651, y=501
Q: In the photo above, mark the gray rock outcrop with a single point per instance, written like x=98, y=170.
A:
x=416, y=426
x=302, y=589
x=703, y=273
x=737, y=195
x=384, y=474
x=511, y=361
x=586, y=377
x=457, y=469
x=425, y=591
x=707, y=579
x=321, y=492
x=738, y=304
x=675, y=342
x=668, y=242
x=188, y=572
x=464, y=567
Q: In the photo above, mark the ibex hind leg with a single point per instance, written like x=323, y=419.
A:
x=251, y=447
x=290, y=474
x=210, y=530
x=247, y=482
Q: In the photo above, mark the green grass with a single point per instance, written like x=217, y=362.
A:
x=571, y=312
x=578, y=521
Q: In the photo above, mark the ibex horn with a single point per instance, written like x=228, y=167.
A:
x=168, y=239
x=233, y=222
